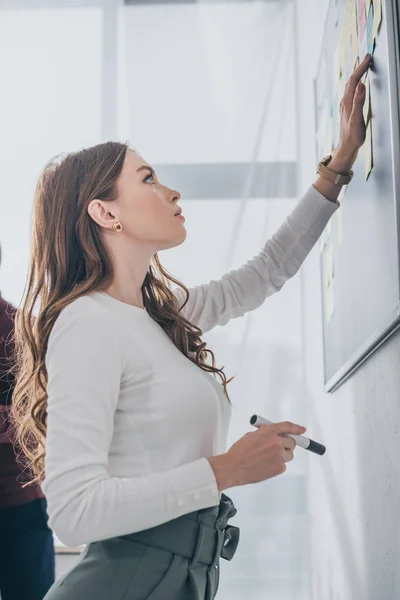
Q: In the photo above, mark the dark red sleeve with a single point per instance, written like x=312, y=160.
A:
x=6, y=354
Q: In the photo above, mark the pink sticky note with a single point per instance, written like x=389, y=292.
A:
x=362, y=18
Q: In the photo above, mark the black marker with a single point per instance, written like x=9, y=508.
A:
x=301, y=440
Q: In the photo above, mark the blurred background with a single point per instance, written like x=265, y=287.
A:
x=218, y=97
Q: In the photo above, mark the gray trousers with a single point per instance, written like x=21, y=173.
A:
x=178, y=560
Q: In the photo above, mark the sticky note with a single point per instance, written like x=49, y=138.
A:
x=370, y=23
x=362, y=19
x=341, y=194
x=323, y=128
x=323, y=239
x=368, y=151
x=328, y=229
x=377, y=17
x=341, y=86
x=328, y=257
x=329, y=302
x=336, y=65
x=348, y=64
x=339, y=225
x=328, y=146
x=338, y=89
x=322, y=243
x=364, y=44
x=354, y=35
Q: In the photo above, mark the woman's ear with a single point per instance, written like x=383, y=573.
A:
x=98, y=211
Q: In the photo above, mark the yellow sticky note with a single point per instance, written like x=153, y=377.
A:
x=367, y=103
x=339, y=225
x=328, y=229
x=367, y=5
x=328, y=265
x=322, y=243
x=377, y=17
x=336, y=65
x=329, y=302
x=368, y=151
x=341, y=87
x=354, y=33
x=341, y=194
x=328, y=146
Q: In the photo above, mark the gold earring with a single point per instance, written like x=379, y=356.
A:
x=117, y=226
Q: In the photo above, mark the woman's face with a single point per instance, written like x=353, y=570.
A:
x=145, y=207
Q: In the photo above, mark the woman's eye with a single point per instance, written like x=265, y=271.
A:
x=150, y=176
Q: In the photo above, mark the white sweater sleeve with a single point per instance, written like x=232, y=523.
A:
x=84, y=503
x=246, y=288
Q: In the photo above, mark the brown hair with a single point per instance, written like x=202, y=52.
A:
x=69, y=260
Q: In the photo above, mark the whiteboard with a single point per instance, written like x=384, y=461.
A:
x=359, y=250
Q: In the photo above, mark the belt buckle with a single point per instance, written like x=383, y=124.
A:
x=227, y=542
x=230, y=542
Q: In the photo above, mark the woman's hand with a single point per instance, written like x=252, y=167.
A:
x=352, y=125
x=256, y=456
x=352, y=132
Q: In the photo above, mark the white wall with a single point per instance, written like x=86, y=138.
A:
x=354, y=490
x=50, y=103
x=198, y=76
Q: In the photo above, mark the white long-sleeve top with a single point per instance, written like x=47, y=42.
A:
x=131, y=420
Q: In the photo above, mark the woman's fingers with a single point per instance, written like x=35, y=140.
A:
x=355, y=78
x=288, y=442
x=352, y=126
x=357, y=114
x=288, y=455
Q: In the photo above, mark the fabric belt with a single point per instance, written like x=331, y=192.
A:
x=194, y=539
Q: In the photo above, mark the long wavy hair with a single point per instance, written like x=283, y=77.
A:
x=69, y=260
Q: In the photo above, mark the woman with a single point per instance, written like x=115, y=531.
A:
x=27, y=561
x=123, y=429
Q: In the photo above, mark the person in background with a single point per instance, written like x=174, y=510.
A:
x=27, y=561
